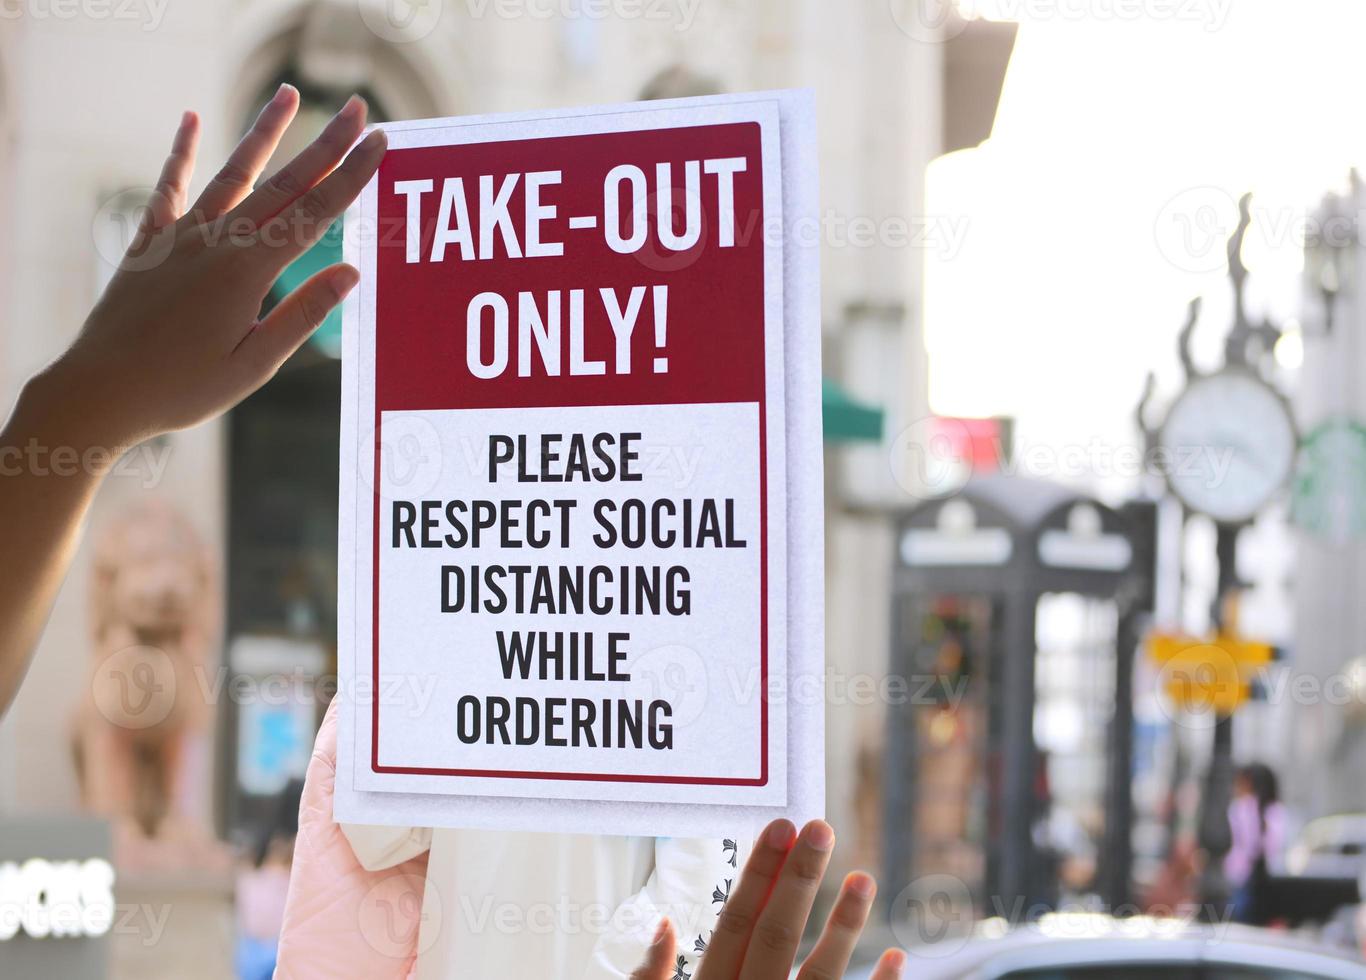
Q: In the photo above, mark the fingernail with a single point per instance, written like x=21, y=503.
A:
x=819, y=835
x=344, y=280
x=895, y=959
x=284, y=89
x=780, y=834
x=187, y=117
x=861, y=884
x=352, y=105
x=374, y=143
x=661, y=931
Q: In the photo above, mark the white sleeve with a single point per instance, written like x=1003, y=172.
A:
x=378, y=847
x=690, y=882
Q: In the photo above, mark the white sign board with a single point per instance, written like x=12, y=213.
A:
x=580, y=540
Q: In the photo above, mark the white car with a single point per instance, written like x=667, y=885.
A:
x=1087, y=946
x=1330, y=847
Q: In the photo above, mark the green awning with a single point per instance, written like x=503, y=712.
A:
x=845, y=419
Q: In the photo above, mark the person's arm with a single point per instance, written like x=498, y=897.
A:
x=174, y=340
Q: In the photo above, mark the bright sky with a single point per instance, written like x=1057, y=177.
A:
x=1072, y=276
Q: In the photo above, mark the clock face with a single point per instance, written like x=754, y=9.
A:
x=1230, y=445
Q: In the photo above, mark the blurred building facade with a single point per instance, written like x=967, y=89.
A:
x=1326, y=756
x=87, y=105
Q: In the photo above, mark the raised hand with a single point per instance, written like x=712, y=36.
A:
x=758, y=931
x=175, y=339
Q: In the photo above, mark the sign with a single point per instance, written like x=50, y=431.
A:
x=1207, y=674
x=57, y=901
x=580, y=474
x=275, y=726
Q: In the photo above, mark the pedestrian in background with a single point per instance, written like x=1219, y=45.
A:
x=1257, y=820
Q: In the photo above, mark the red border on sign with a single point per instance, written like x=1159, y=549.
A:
x=763, y=776
x=761, y=780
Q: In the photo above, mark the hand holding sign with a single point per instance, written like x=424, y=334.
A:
x=175, y=339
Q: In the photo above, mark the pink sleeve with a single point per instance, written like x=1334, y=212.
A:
x=342, y=921
x=1242, y=852
x=1276, y=833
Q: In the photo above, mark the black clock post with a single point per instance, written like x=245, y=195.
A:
x=1247, y=350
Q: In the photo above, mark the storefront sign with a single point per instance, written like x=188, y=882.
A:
x=57, y=901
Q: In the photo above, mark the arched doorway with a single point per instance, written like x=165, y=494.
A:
x=282, y=442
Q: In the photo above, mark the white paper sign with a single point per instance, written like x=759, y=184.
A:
x=580, y=582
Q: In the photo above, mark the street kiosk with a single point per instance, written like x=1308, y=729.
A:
x=970, y=572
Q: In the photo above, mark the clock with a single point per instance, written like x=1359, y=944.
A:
x=1229, y=443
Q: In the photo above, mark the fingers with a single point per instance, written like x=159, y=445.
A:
x=780, y=924
x=168, y=197
x=293, y=232
x=279, y=335
x=889, y=965
x=831, y=955
x=235, y=178
x=313, y=163
x=659, y=957
x=726, y=948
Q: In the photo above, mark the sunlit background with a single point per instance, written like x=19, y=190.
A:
x=1020, y=199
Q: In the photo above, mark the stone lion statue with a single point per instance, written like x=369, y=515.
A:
x=154, y=615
